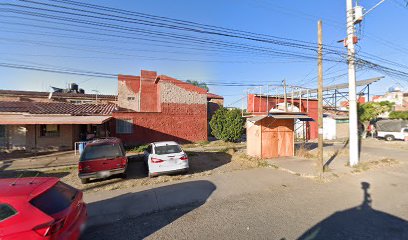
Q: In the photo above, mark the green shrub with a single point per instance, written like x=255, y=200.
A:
x=227, y=124
x=399, y=115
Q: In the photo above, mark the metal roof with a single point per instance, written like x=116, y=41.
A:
x=345, y=85
x=11, y=119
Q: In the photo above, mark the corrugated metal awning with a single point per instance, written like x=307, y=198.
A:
x=14, y=119
x=300, y=117
x=292, y=116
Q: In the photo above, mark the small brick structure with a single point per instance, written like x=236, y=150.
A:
x=160, y=108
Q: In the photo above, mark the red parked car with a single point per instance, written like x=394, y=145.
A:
x=40, y=208
x=102, y=158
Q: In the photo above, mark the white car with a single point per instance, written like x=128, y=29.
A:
x=165, y=158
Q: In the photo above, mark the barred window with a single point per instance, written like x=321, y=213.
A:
x=124, y=126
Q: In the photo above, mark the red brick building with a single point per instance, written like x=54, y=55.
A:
x=157, y=107
x=260, y=105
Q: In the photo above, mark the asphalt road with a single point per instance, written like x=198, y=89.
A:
x=266, y=204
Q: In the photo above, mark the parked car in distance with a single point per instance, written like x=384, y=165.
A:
x=165, y=158
x=390, y=136
x=40, y=208
x=102, y=158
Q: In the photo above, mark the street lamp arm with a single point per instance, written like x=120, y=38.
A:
x=374, y=7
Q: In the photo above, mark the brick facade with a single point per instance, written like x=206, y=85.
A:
x=169, y=109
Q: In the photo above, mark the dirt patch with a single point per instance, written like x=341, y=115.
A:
x=201, y=164
x=364, y=166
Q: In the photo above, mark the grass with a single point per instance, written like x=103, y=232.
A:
x=303, y=152
x=364, y=166
x=139, y=148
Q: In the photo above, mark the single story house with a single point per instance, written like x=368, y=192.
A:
x=51, y=126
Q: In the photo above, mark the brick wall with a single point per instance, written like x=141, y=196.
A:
x=128, y=92
x=169, y=109
x=177, y=122
x=259, y=105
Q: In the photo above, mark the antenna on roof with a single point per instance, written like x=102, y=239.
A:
x=14, y=183
x=34, y=178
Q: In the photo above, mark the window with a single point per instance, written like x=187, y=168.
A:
x=131, y=98
x=124, y=126
x=2, y=131
x=49, y=130
x=6, y=211
x=56, y=199
x=168, y=149
x=102, y=151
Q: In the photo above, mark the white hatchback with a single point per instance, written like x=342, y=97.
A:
x=165, y=158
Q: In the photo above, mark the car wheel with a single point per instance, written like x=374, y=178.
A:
x=123, y=175
x=84, y=180
x=389, y=137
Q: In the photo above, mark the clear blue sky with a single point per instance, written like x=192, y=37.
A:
x=383, y=33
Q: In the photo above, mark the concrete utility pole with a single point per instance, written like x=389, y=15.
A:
x=353, y=127
x=320, y=94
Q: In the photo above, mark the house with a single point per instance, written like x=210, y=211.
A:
x=158, y=107
x=148, y=108
x=51, y=125
x=270, y=126
x=396, y=96
x=262, y=104
x=67, y=97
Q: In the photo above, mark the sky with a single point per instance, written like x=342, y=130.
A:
x=382, y=33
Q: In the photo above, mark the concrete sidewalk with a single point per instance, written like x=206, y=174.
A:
x=58, y=159
x=335, y=160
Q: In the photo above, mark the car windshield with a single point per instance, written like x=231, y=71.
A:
x=168, y=149
x=101, y=151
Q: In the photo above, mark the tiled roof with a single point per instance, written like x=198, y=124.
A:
x=57, y=108
x=55, y=94
x=212, y=95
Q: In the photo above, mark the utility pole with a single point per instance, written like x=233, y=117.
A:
x=284, y=95
x=353, y=127
x=320, y=93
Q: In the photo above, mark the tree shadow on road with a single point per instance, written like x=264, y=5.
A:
x=140, y=214
x=361, y=222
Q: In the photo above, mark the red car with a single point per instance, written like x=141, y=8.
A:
x=102, y=158
x=40, y=208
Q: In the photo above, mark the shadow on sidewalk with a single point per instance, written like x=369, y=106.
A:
x=140, y=214
x=361, y=222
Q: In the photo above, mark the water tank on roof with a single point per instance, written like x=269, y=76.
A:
x=81, y=91
x=73, y=87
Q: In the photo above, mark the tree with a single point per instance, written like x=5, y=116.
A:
x=227, y=125
x=199, y=84
x=398, y=115
x=371, y=110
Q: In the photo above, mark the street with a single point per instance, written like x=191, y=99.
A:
x=263, y=203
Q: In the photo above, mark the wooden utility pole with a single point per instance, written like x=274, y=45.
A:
x=320, y=94
x=284, y=96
